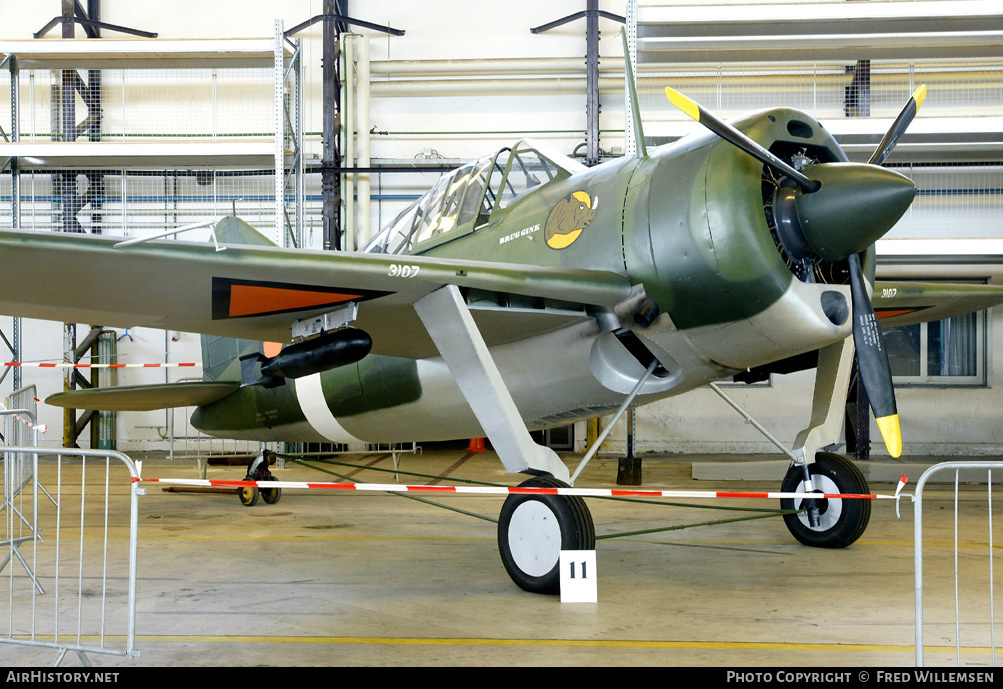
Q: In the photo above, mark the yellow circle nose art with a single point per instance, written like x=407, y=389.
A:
x=568, y=218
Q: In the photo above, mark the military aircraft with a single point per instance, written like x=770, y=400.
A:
x=526, y=291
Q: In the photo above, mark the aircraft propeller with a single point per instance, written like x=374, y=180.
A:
x=836, y=211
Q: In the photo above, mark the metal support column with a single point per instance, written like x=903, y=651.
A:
x=330, y=181
x=857, y=96
x=591, y=14
x=335, y=22
x=67, y=182
x=592, y=83
x=278, y=122
x=298, y=123
x=15, y=200
x=95, y=178
x=628, y=471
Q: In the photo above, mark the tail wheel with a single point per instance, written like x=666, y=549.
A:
x=534, y=529
x=840, y=521
x=270, y=495
x=248, y=495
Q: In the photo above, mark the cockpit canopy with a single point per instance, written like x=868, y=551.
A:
x=465, y=199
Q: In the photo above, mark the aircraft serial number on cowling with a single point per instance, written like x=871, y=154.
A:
x=402, y=271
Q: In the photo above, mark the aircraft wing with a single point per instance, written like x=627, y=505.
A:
x=905, y=303
x=257, y=292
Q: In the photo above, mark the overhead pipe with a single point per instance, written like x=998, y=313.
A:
x=571, y=85
x=531, y=65
x=576, y=85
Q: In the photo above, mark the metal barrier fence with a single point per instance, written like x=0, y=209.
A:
x=971, y=628
x=16, y=432
x=20, y=425
x=86, y=568
x=18, y=473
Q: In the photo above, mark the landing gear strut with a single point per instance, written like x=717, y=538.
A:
x=258, y=471
x=534, y=529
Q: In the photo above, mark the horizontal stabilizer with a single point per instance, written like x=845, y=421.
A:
x=145, y=397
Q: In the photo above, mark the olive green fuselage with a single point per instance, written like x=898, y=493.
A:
x=686, y=224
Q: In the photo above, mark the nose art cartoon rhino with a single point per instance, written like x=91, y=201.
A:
x=568, y=218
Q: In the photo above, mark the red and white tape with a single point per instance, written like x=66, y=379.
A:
x=41, y=364
x=41, y=428
x=516, y=490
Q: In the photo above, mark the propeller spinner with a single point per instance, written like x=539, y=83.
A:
x=835, y=211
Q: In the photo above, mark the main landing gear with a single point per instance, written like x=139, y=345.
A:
x=258, y=471
x=822, y=523
x=534, y=529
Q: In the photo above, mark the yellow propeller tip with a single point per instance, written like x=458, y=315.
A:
x=688, y=107
x=892, y=434
x=919, y=96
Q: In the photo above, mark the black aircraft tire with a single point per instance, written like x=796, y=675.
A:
x=248, y=495
x=270, y=495
x=841, y=521
x=534, y=529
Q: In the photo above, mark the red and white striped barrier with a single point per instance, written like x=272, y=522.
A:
x=41, y=428
x=42, y=364
x=516, y=490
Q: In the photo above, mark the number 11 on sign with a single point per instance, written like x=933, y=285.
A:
x=578, y=576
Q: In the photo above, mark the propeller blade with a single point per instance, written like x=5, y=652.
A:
x=872, y=361
x=899, y=126
x=693, y=110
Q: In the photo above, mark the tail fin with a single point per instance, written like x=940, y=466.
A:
x=219, y=354
x=233, y=230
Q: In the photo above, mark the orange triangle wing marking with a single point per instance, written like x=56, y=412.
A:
x=888, y=313
x=249, y=300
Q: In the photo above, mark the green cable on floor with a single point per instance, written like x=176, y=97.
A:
x=402, y=495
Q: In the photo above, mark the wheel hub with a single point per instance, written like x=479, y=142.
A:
x=828, y=510
x=534, y=537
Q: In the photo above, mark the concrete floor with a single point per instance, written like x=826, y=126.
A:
x=371, y=579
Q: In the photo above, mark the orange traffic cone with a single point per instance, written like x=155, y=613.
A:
x=476, y=445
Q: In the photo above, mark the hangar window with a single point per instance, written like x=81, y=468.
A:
x=947, y=352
